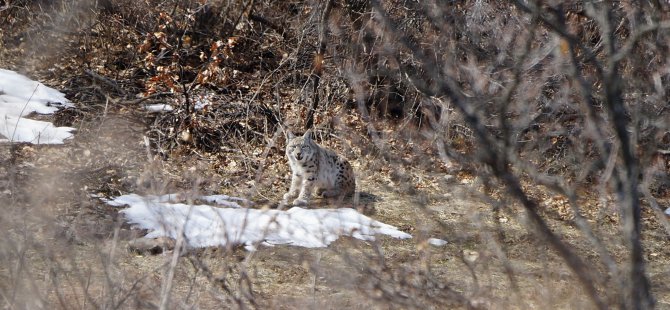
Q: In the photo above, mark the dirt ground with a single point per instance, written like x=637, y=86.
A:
x=64, y=248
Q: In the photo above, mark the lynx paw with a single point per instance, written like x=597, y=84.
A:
x=289, y=196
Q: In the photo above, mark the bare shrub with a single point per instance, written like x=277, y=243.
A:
x=553, y=96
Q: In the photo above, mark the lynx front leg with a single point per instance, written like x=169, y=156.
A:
x=305, y=191
x=296, y=181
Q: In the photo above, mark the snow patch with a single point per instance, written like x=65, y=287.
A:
x=206, y=225
x=130, y=199
x=437, y=242
x=160, y=107
x=200, y=103
x=21, y=96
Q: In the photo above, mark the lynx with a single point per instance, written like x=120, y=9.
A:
x=313, y=166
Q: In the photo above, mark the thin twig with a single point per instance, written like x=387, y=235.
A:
x=318, y=64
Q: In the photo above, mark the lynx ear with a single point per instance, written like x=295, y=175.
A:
x=308, y=135
x=289, y=134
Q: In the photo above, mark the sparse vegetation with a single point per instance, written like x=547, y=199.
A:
x=533, y=136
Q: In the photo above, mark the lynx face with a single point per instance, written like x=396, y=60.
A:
x=301, y=150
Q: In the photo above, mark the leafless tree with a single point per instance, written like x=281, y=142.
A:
x=562, y=95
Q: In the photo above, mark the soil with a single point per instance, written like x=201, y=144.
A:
x=73, y=250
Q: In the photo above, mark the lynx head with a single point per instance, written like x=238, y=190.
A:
x=301, y=149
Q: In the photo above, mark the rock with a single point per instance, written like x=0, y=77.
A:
x=151, y=246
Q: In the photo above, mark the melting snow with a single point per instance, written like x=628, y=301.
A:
x=20, y=96
x=201, y=102
x=206, y=225
x=437, y=242
x=161, y=107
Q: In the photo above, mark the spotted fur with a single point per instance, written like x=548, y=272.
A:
x=313, y=166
